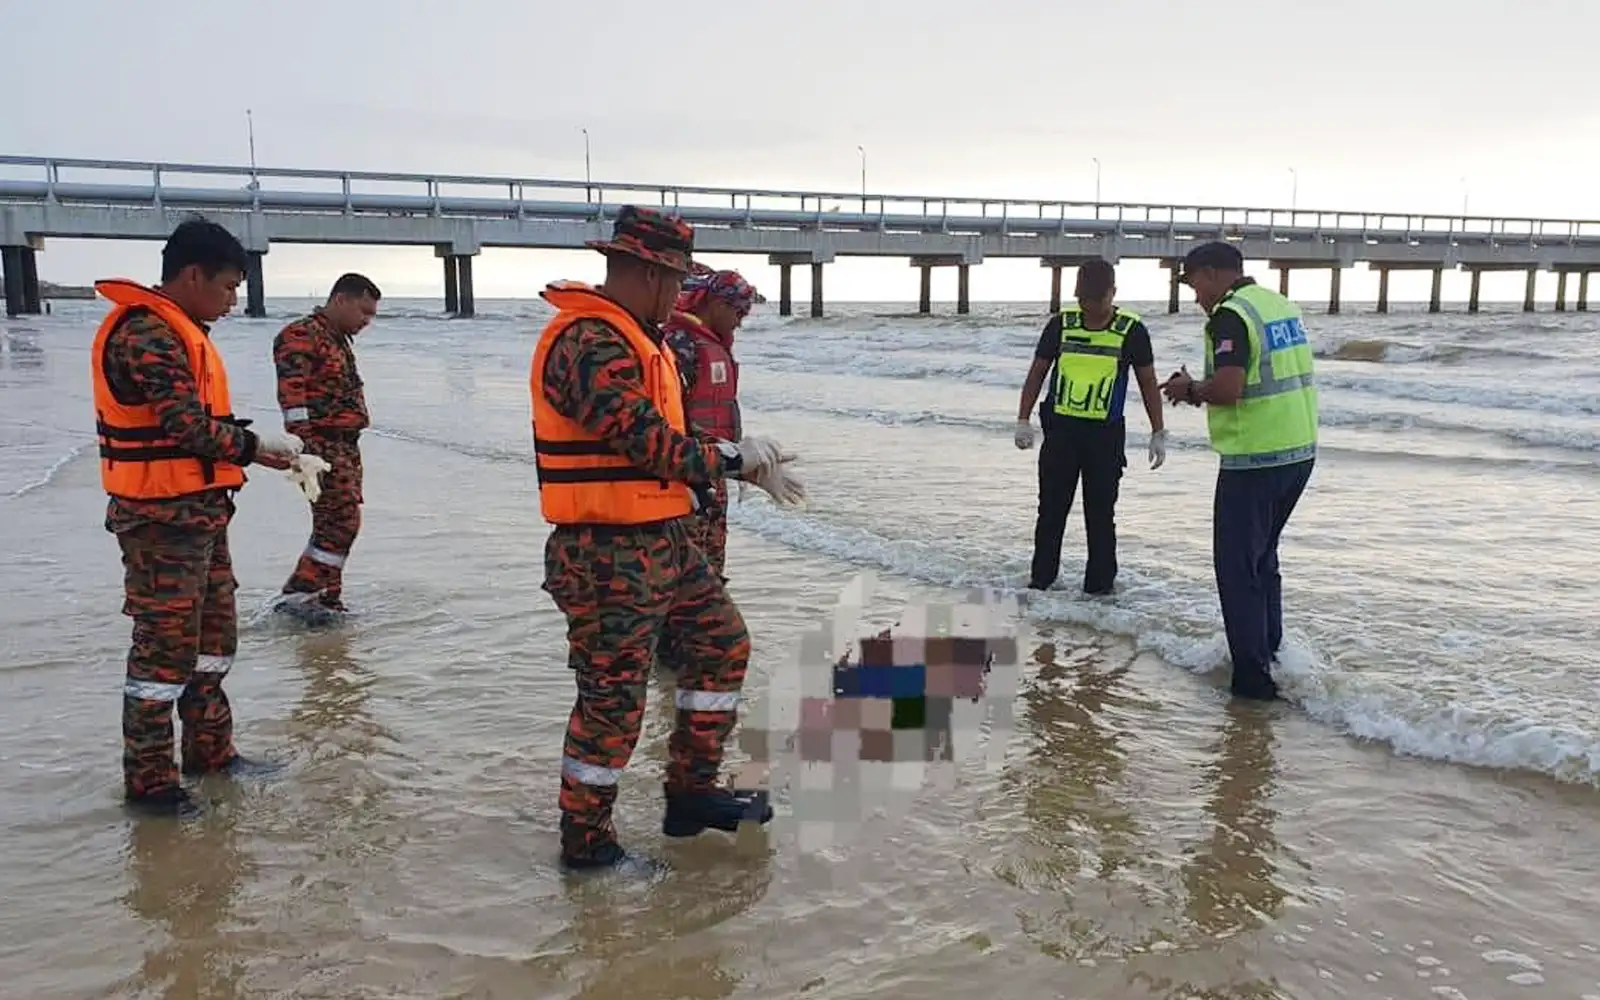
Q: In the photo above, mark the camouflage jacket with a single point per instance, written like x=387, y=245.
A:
x=319, y=386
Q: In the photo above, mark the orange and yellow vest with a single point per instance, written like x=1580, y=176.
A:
x=582, y=479
x=138, y=461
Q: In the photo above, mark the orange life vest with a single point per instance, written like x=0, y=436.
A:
x=582, y=479
x=138, y=461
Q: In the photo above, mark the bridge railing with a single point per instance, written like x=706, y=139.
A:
x=936, y=210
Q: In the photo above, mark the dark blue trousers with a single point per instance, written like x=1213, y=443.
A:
x=1248, y=516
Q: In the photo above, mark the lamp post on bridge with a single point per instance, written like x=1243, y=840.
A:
x=863, y=151
x=250, y=125
x=588, y=176
x=1096, y=185
x=1294, y=192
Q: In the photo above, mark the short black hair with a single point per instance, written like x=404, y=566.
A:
x=1096, y=278
x=203, y=243
x=357, y=286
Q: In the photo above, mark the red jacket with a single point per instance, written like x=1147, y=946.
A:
x=710, y=376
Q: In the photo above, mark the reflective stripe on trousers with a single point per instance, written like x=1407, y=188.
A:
x=207, y=667
x=688, y=701
x=324, y=557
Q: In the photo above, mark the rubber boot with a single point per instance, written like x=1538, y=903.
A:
x=691, y=813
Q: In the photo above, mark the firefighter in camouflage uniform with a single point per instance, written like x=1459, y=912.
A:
x=620, y=476
x=171, y=457
x=323, y=403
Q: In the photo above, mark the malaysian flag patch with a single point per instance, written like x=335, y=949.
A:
x=1224, y=346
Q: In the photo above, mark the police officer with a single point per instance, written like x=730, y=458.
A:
x=1261, y=413
x=1089, y=346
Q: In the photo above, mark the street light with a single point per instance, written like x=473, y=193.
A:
x=588, y=176
x=1294, y=192
x=250, y=123
x=1463, y=202
x=1096, y=184
x=862, y=150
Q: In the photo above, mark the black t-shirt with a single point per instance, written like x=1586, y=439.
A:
x=1230, y=338
x=1137, y=352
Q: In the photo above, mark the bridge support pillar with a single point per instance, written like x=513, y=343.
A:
x=1383, y=289
x=468, y=306
x=1583, y=291
x=1055, y=289
x=785, y=263
x=11, y=261
x=1283, y=281
x=452, y=297
x=1561, y=291
x=1438, y=287
x=32, y=301
x=1532, y=286
x=255, y=285
x=1333, y=290
x=21, y=272
x=963, y=289
x=1174, y=286
x=457, y=258
x=1472, y=296
x=925, y=297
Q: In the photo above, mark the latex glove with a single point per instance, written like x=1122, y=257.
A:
x=276, y=443
x=780, y=483
x=305, y=471
x=755, y=455
x=1158, y=448
x=1024, y=436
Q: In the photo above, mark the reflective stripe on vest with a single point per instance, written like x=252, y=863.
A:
x=1086, y=370
x=1275, y=421
x=138, y=460
x=582, y=479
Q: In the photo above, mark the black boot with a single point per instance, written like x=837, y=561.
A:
x=606, y=854
x=238, y=767
x=171, y=803
x=690, y=813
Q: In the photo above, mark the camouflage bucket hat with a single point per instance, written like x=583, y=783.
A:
x=652, y=236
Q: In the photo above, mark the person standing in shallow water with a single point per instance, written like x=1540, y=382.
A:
x=1261, y=413
x=172, y=455
x=618, y=471
x=321, y=396
x=1086, y=351
x=710, y=309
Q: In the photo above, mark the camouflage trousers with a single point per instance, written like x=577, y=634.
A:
x=179, y=590
x=335, y=522
x=710, y=530
x=621, y=591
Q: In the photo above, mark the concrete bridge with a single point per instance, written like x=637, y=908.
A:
x=458, y=216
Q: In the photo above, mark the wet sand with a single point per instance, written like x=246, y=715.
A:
x=1146, y=837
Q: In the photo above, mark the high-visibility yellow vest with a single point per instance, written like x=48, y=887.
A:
x=1087, y=368
x=1275, y=421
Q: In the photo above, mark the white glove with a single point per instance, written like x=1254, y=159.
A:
x=1158, y=448
x=755, y=454
x=275, y=443
x=305, y=471
x=762, y=464
x=1024, y=437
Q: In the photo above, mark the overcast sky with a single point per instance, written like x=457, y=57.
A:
x=1404, y=105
